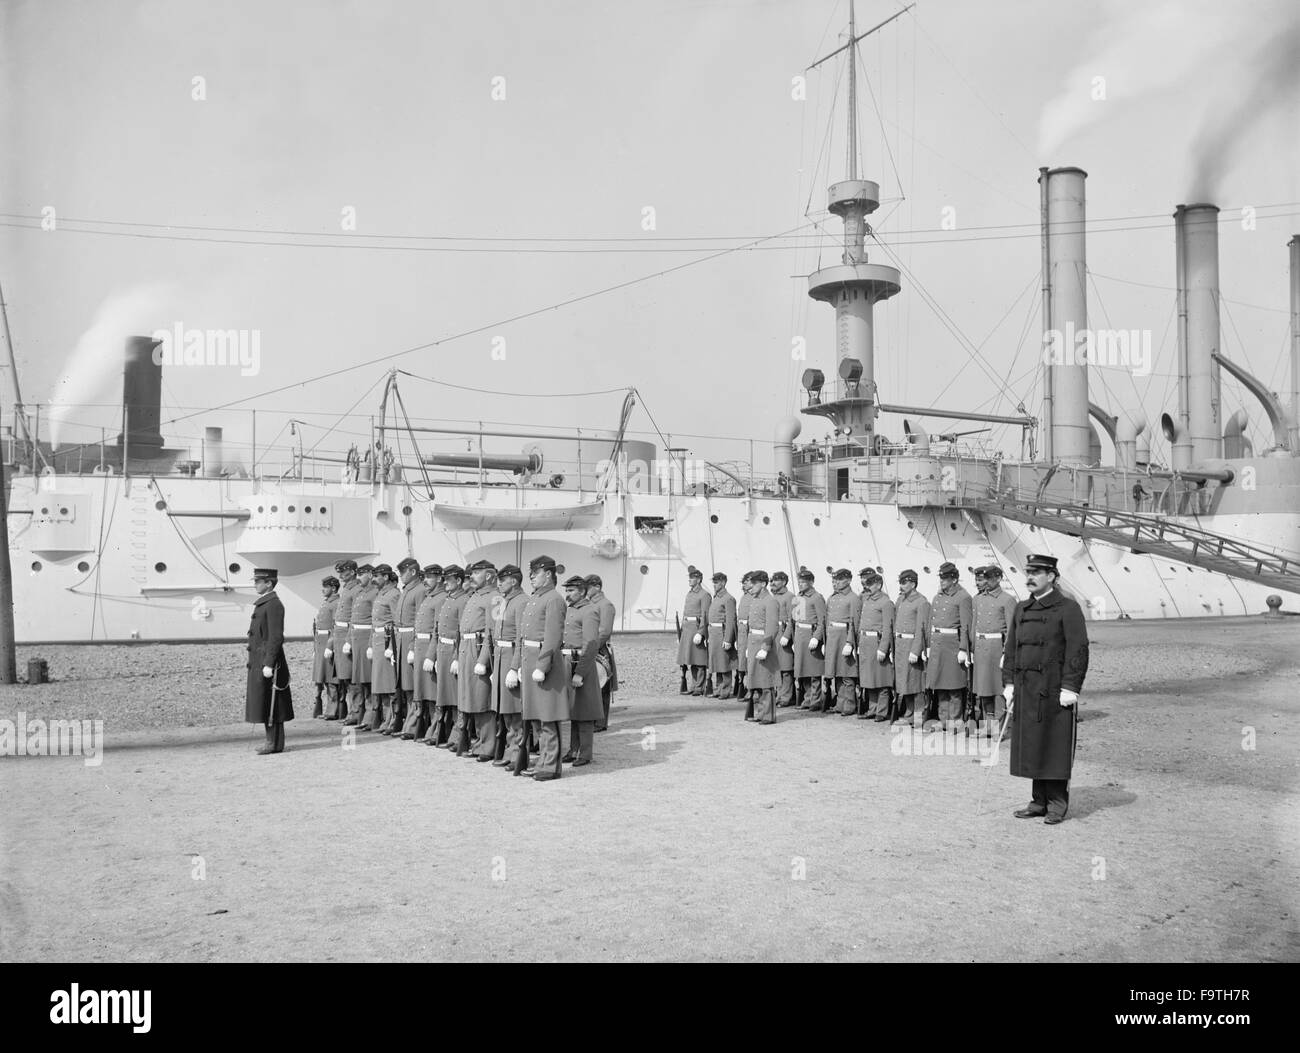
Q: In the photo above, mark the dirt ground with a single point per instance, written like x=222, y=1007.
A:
x=694, y=836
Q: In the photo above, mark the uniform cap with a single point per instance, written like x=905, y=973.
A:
x=266, y=574
x=511, y=571
x=719, y=576
x=576, y=582
x=384, y=569
x=433, y=568
x=992, y=571
x=842, y=575
x=758, y=575
x=1041, y=563
x=949, y=570
x=365, y=568
x=780, y=575
x=409, y=563
x=744, y=578
x=541, y=563
x=452, y=571
x=594, y=582
x=482, y=564
x=345, y=564
x=805, y=574
x=980, y=572
x=908, y=575
x=694, y=572
x=331, y=582
x=872, y=578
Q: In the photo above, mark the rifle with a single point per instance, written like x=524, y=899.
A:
x=678, y=619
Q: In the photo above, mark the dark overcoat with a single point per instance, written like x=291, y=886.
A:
x=1046, y=652
x=581, y=641
x=266, y=648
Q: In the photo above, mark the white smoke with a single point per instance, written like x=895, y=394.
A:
x=1229, y=71
x=98, y=357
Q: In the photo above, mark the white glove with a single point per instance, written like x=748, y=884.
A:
x=1008, y=692
x=329, y=652
x=428, y=665
x=347, y=648
x=846, y=650
x=577, y=679
x=388, y=653
x=370, y=652
x=480, y=669
x=880, y=656
x=1001, y=658
x=267, y=671
x=727, y=646
x=962, y=658
x=761, y=654
x=913, y=658
x=698, y=639
x=785, y=641
x=512, y=679
x=812, y=644
x=410, y=658
x=455, y=667
x=925, y=655
x=538, y=676
x=1068, y=698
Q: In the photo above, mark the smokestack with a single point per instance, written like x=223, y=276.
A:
x=1196, y=230
x=1294, y=246
x=1065, y=309
x=213, y=452
x=142, y=396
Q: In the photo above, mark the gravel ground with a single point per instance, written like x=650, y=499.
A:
x=693, y=836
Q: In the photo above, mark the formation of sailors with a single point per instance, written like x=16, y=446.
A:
x=464, y=660
x=931, y=663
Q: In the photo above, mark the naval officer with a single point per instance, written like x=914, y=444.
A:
x=763, y=665
x=809, y=614
x=843, y=608
x=692, y=647
x=267, y=700
x=1046, y=662
x=875, y=646
x=543, y=668
x=580, y=643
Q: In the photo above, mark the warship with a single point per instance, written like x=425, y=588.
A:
x=145, y=537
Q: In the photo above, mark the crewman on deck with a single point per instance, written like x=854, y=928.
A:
x=992, y=612
x=446, y=655
x=761, y=656
x=911, y=622
x=322, y=633
x=722, y=638
x=947, y=663
x=875, y=648
x=606, y=668
x=581, y=642
x=359, y=630
x=476, y=722
x=426, y=643
x=543, y=668
x=843, y=608
x=413, y=593
x=784, y=640
x=507, y=698
x=693, y=646
x=742, y=633
x=808, y=611
x=382, y=650
x=340, y=651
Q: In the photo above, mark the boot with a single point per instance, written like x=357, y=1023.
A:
x=318, y=710
x=279, y=737
x=262, y=751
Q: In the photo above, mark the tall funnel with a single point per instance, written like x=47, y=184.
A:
x=1065, y=314
x=142, y=396
x=1197, y=228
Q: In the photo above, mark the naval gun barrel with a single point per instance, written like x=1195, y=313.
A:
x=505, y=462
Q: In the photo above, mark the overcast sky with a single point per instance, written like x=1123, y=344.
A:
x=611, y=108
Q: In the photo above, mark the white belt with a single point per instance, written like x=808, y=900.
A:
x=872, y=632
x=505, y=645
x=944, y=632
x=532, y=643
x=691, y=618
x=990, y=636
x=407, y=629
x=446, y=639
x=569, y=652
x=470, y=636
x=716, y=625
x=839, y=625
x=424, y=636
x=803, y=625
x=355, y=626
x=341, y=625
x=322, y=632
x=757, y=632
x=744, y=621
x=905, y=636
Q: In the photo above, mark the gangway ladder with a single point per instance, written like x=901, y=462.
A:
x=1155, y=535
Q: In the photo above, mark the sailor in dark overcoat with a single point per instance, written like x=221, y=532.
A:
x=763, y=664
x=607, y=668
x=785, y=638
x=1045, y=664
x=267, y=701
x=693, y=645
x=579, y=646
x=322, y=663
x=543, y=669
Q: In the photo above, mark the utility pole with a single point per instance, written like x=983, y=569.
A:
x=8, y=660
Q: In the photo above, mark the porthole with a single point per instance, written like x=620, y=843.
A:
x=260, y=509
x=275, y=508
x=926, y=569
x=880, y=570
x=45, y=511
x=235, y=568
x=36, y=566
x=952, y=526
x=559, y=569
x=1093, y=569
x=160, y=568
x=1013, y=570
x=713, y=519
x=1033, y=529
x=865, y=523
x=291, y=508
x=910, y=525
x=817, y=521
x=63, y=511
x=160, y=505
x=645, y=569
x=406, y=510
x=767, y=520
x=83, y=566
x=1127, y=571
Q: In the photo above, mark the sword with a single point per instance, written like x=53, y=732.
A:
x=989, y=761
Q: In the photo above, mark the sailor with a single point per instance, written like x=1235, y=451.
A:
x=1046, y=662
x=543, y=669
x=340, y=651
x=809, y=614
x=267, y=701
x=476, y=722
x=322, y=633
x=692, y=645
x=507, y=699
x=911, y=621
x=413, y=593
x=382, y=650
x=785, y=639
x=580, y=643
x=722, y=637
x=843, y=608
x=607, y=669
x=992, y=611
x=419, y=720
x=947, y=661
x=448, y=646
x=359, y=630
x=763, y=663
x=875, y=647
x=742, y=634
